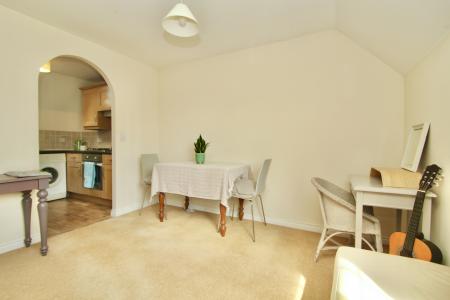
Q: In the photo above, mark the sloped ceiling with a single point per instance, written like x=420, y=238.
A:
x=400, y=32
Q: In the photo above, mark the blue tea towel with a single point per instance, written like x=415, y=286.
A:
x=89, y=175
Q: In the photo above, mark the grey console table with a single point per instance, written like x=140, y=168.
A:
x=25, y=185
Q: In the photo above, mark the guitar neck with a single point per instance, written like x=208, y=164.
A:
x=413, y=225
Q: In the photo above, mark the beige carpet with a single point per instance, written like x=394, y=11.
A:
x=137, y=257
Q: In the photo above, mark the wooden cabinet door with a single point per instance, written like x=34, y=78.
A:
x=104, y=101
x=94, y=104
x=107, y=176
x=107, y=182
x=74, y=177
x=91, y=105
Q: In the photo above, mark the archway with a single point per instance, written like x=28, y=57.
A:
x=76, y=124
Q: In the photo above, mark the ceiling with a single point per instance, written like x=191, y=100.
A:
x=400, y=32
x=76, y=68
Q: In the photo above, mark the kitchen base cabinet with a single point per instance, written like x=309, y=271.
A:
x=107, y=176
x=107, y=182
x=75, y=177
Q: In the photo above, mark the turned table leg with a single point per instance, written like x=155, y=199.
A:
x=241, y=209
x=43, y=214
x=223, y=219
x=162, y=196
x=186, y=202
x=26, y=205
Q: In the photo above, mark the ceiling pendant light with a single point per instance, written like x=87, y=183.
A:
x=46, y=68
x=180, y=21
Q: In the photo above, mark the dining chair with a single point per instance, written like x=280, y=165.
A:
x=247, y=189
x=147, y=163
x=338, y=212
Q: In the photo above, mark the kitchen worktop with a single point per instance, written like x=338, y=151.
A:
x=51, y=151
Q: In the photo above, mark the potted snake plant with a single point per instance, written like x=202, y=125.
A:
x=200, y=149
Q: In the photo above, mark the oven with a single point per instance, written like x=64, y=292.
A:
x=97, y=160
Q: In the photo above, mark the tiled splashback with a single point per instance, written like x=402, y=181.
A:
x=49, y=139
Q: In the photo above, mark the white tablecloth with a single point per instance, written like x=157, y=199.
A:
x=363, y=274
x=209, y=181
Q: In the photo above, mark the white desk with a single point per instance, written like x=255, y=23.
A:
x=369, y=191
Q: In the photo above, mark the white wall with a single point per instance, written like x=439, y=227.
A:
x=60, y=106
x=428, y=99
x=27, y=44
x=318, y=105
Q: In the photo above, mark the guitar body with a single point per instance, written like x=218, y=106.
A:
x=408, y=244
x=423, y=249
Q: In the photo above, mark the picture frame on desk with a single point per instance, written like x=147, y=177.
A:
x=414, y=147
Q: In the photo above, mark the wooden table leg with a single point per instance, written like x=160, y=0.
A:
x=26, y=205
x=223, y=220
x=186, y=202
x=43, y=214
x=241, y=209
x=162, y=196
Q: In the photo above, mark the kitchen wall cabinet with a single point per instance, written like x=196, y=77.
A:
x=104, y=99
x=94, y=104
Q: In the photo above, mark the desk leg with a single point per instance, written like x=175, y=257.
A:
x=162, y=196
x=241, y=209
x=26, y=205
x=223, y=220
x=358, y=223
x=426, y=218
x=186, y=202
x=43, y=213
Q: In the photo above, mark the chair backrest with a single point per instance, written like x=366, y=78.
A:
x=262, y=176
x=147, y=162
x=337, y=205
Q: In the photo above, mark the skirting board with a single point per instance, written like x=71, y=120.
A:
x=13, y=245
x=119, y=211
x=269, y=220
x=274, y=221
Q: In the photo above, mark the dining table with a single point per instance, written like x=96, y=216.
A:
x=212, y=181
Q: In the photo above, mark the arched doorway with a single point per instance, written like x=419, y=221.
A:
x=76, y=102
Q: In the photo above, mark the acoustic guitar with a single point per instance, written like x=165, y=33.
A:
x=412, y=244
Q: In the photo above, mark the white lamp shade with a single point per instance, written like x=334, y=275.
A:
x=180, y=21
x=46, y=68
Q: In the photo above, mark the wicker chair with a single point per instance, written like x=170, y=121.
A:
x=338, y=213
